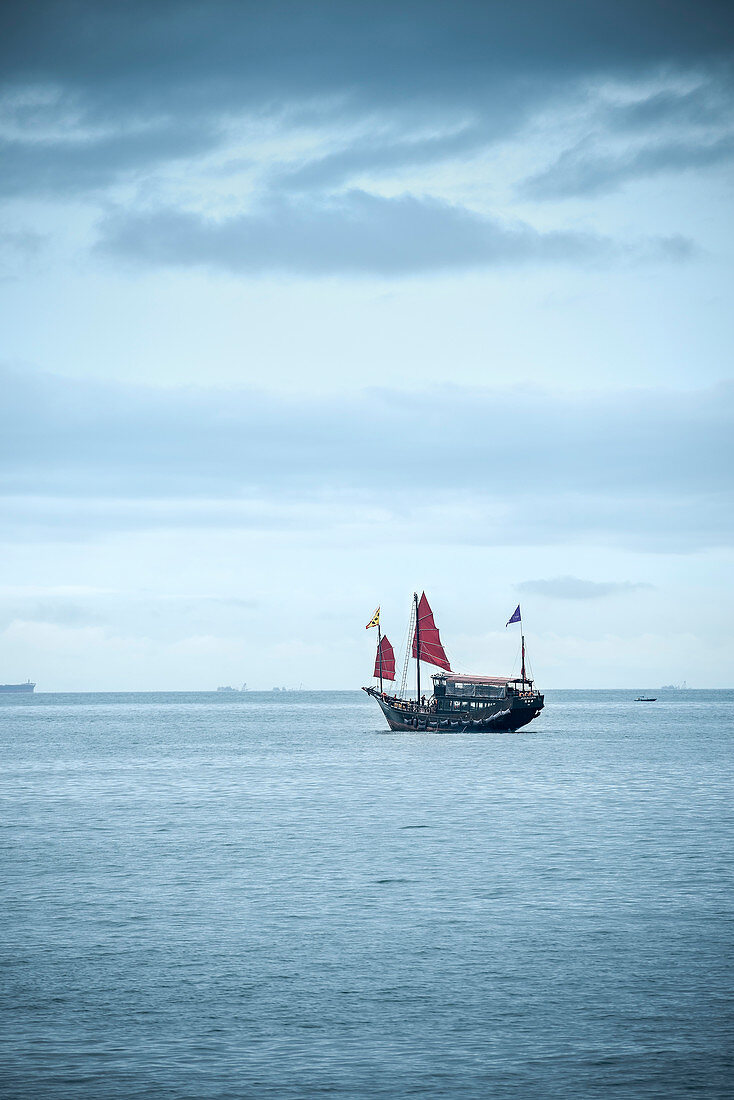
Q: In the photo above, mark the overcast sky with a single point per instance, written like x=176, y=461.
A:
x=306, y=305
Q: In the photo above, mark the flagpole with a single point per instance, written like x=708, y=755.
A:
x=516, y=617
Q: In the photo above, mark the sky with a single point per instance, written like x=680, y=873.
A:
x=306, y=306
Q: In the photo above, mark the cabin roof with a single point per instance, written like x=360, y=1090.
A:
x=458, y=678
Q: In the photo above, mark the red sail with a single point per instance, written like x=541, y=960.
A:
x=432, y=652
x=385, y=652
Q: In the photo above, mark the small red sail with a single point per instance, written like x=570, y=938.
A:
x=432, y=651
x=386, y=653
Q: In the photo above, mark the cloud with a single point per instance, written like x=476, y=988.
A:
x=241, y=49
x=175, y=112
x=58, y=612
x=644, y=470
x=670, y=129
x=705, y=107
x=357, y=234
x=629, y=133
x=574, y=588
x=59, y=433
x=193, y=68
x=91, y=162
x=375, y=154
x=148, y=614
x=584, y=171
x=25, y=242
x=17, y=248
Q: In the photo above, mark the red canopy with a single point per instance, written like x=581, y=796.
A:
x=432, y=651
x=386, y=656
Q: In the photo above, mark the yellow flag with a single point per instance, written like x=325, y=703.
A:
x=375, y=620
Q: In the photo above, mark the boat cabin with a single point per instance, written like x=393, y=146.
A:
x=455, y=692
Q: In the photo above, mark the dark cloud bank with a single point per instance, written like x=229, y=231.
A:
x=237, y=51
x=456, y=463
x=396, y=86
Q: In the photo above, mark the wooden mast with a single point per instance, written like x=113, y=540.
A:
x=417, y=652
x=379, y=654
x=523, y=660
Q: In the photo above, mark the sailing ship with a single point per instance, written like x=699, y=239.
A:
x=458, y=702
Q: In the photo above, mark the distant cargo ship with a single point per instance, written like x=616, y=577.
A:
x=27, y=686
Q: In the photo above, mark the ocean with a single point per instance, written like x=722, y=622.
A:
x=271, y=895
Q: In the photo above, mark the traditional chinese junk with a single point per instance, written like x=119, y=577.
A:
x=459, y=703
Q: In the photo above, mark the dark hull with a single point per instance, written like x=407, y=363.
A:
x=16, y=687
x=506, y=715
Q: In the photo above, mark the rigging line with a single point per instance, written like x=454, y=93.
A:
x=400, y=650
x=515, y=662
x=408, y=649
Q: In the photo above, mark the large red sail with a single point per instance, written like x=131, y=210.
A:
x=432, y=651
x=386, y=655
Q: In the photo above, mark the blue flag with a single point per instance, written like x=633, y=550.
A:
x=515, y=617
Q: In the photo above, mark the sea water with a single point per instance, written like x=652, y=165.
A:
x=271, y=895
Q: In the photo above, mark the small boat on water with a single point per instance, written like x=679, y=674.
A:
x=459, y=702
x=646, y=699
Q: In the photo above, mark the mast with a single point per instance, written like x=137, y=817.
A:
x=418, y=651
x=516, y=617
x=379, y=651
